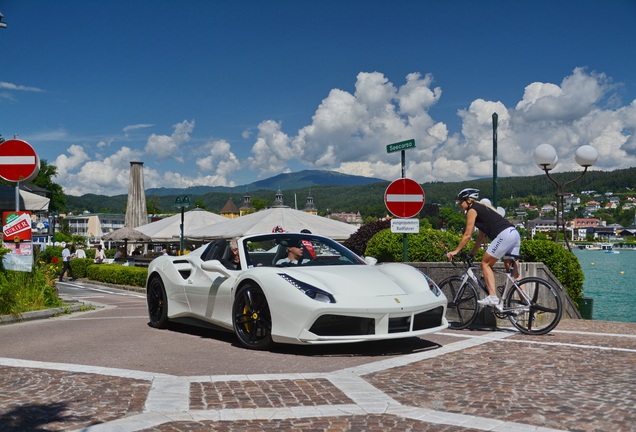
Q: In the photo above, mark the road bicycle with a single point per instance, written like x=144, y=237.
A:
x=531, y=304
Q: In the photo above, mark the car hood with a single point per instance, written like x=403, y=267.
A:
x=382, y=280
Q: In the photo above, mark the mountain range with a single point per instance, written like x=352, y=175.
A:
x=336, y=192
x=285, y=181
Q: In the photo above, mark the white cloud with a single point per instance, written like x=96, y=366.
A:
x=137, y=126
x=10, y=86
x=349, y=133
x=108, y=177
x=164, y=147
x=350, y=128
x=220, y=161
x=271, y=150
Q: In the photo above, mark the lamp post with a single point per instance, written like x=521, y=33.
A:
x=546, y=158
x=182, y=202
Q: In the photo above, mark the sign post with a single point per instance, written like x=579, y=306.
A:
x=404, y=198
x=401, y=147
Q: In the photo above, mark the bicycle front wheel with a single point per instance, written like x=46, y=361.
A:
x=462, y=302
x=541, y=314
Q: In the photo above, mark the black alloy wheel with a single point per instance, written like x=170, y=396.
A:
x=157, y=303
x=252, y=318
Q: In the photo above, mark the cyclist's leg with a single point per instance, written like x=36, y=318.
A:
x=487, y=263
x=512, y=248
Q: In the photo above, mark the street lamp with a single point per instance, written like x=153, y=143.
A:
x=182, y=202
x=546, y=158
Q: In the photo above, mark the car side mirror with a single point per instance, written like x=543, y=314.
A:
x=216, y=267
x=370, y=260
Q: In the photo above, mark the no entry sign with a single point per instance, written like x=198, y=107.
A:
x=404, y=198
x=18, y=161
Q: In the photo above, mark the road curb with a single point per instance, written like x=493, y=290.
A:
x=41, y=314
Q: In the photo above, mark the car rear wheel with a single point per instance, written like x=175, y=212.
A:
x=157, y=303
x=252, y=318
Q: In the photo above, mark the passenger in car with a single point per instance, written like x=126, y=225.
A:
x=233, y=260
x=294, y=253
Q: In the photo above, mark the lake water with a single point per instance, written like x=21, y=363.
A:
x=610, y=281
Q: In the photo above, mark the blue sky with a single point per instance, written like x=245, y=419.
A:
x=228, y=92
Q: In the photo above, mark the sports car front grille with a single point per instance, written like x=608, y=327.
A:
x=340, y=325
x=428, y=319
x=399, y=325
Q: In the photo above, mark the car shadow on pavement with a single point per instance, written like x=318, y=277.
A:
x=350, y=349
x=39, y=417
x=360, y=349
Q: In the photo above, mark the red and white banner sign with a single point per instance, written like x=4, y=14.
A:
x=16, y=226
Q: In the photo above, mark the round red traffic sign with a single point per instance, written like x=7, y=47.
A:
x=404, y=198
x=18, y=161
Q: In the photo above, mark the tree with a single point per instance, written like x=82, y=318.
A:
x=65, y=227
x=199, y=204
x=44, y=180
x=152, y=206
x=452, y=220
x=260, y=203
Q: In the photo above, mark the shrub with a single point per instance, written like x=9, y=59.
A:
x=48, y=254
x=357, y=242
x=79, y=266
x=428, y=245
x=118, y=274
x=561, y=262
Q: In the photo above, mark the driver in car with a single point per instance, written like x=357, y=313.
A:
x=294, y=253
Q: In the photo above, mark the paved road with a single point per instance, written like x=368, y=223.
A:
x=107, y=370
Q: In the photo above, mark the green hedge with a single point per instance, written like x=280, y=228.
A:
x=118, y=274
x=80, y=265
x=428, y=245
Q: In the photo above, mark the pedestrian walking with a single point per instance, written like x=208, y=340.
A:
x=66, y=264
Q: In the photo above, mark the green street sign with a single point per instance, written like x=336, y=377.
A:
x=403, y=145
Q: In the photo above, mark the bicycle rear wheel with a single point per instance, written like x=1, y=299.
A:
x=462, y=302
x=544, y=311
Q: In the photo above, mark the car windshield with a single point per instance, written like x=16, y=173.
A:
x=284, y=249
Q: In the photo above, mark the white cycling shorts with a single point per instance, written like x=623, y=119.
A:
x=507, y=242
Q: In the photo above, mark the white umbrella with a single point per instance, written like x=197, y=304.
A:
x=167, y=229
x=263, y=221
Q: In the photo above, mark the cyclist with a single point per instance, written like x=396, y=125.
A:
x=505, y=239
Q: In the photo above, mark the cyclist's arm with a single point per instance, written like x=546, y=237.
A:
x=471, y=216
x=478, y=242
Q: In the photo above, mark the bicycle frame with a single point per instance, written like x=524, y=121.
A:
x=511, y=283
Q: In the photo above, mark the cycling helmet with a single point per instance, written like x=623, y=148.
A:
x=468, y=193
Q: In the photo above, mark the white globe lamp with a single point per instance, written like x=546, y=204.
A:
x=586, y=156
x=545, y=156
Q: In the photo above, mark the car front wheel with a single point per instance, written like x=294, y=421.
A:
x=252, y=318
x=157, y=303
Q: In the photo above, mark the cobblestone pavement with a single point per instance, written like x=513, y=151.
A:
x=581, y=377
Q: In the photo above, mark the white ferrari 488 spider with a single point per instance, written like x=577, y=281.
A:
x=293, y=288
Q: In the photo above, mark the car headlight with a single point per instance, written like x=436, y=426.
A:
x=309, y=290
x=431, y=284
